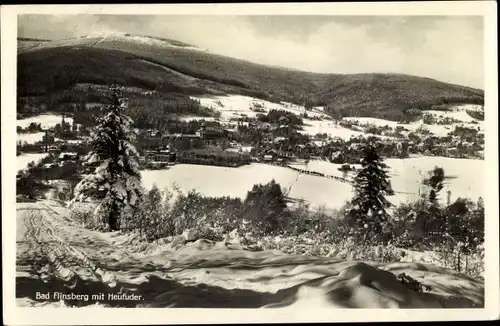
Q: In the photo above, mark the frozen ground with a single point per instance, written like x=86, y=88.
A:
x=465, y=180
x=56, y=255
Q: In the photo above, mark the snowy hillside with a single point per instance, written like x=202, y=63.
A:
x=233, y=106
x=332, y=129
x=237, y=106
x=458, y=113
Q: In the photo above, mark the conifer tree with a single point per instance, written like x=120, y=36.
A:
x=116, y=183
x=265, y=204
x=435, y=222
x=436, y=182
x=371, y=186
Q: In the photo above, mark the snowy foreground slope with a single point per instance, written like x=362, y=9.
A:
x=55, y=255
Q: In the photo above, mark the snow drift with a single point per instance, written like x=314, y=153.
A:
x=201, y=273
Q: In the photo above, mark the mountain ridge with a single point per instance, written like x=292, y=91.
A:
x=382, y=95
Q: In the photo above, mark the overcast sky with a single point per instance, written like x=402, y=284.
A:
x=447, y=48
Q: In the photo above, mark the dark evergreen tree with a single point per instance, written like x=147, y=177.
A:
x=432, y=220
x=368, y=209
x=436, y=182
x=116, y=183
x=265, y=205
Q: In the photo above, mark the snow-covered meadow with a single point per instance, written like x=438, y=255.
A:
x=466, y=180
x=23, y=160
x=30, y=138
x=464, y=177
x=45, y=120
x=236, y=182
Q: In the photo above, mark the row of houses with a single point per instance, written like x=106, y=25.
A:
x=214, y=157
x=162, y=155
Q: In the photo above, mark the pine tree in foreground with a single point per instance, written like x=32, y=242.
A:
x=116, y=183
x=371, y=186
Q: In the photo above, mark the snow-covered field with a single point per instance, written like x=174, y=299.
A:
x=46, y=120
x=236, y=182
x=459, y=115
x=466, y=177
x=23, y=160
x=466, y=180
x=30, y=138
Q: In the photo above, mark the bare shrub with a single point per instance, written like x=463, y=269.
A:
x=85, y=215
